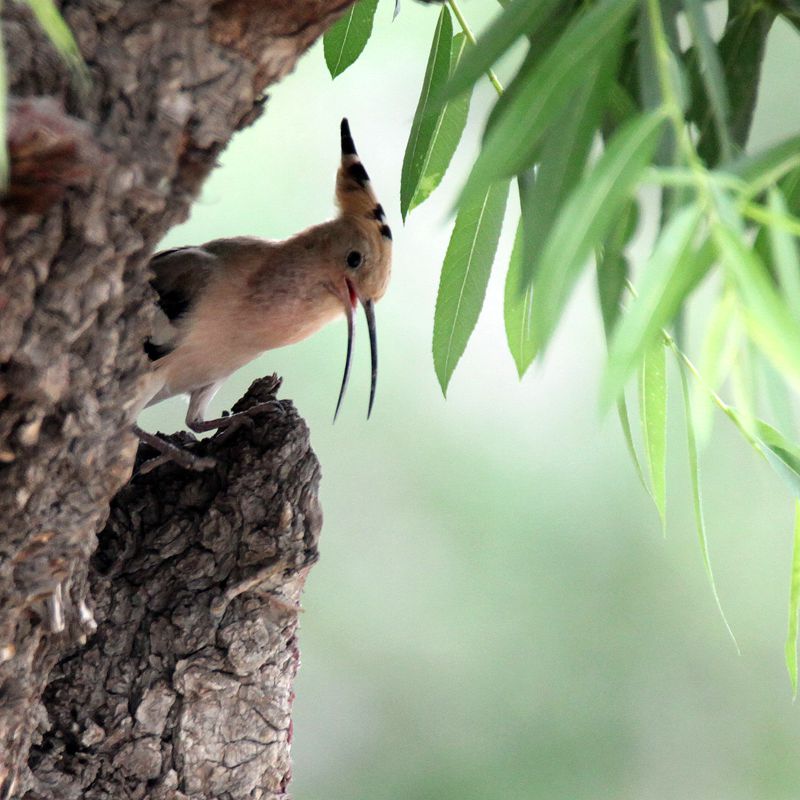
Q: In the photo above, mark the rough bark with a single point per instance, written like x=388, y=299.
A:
x=185, y=688
x=98, y=176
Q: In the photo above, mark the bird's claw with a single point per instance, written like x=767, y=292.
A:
x=187, y=461
x=170, y=452
x=259, y=408
x=228, y=423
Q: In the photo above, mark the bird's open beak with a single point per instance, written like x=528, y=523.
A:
x=349, y=299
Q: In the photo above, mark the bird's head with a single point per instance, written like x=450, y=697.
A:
x=362, y=244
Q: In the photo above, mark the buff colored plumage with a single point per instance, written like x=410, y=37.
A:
x=222, y=304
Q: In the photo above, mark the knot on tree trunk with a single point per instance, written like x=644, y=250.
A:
x=184, y=690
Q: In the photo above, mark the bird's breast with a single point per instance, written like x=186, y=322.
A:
x=223, y=336
x=288, y=320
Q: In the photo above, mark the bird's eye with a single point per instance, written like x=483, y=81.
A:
x=354, y=259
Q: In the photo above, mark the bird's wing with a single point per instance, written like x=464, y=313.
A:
x=181, y=274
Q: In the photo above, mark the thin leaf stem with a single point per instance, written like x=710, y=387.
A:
x=672, y=107
x=713, y=202
x=704, y=183
x=772, y=176
x=711, y=71
x=454, y=7
x=681, y=177
x=771, y=218
x=669, y=91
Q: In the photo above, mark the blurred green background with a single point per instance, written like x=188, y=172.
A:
x=496, y=613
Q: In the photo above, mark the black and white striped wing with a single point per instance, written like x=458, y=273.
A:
x=181, y=274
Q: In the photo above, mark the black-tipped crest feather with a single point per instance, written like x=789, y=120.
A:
x=348, y=145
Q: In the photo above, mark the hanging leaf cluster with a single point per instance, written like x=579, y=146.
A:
x=609, y=99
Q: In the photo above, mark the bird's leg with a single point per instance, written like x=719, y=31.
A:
x=170, y=452
x=228, y=421
x=198, y=403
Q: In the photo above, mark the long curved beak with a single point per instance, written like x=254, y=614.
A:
x=369, y=312
x=350, y=313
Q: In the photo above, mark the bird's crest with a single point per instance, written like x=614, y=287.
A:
x=353, y=189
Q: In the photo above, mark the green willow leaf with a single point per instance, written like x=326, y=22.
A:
x=518, y=309
x=653, y=410
x=539, y=93
x=649, y=86
x=538, y=46
x=765, y=168
x=697, y=499
x=782, y=455
x=446, y=135
x=743, y=384
x=564, y=153
x=741, y=51
x=612, y=272
x=652, y=35
x=769, y=218
x=621, y=106
x=794, y=604
x=646, y=62
x=778, y=399
x=465, y=274
x=769, y=321
x=344, y=41
x=625, y=424
x=789, y=186
x=587, y=216
x=60, y=35
x=716, y=360
x=673, y=271
x=784, y=254
x=428, y=115
x=519, y=18
x=711, y=73
x=613, y=267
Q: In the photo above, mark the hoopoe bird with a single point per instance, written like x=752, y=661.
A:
x=222, y=304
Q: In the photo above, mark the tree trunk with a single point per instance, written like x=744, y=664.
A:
x=184, y=688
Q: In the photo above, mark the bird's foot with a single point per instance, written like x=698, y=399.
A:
x=170, y=452
x=228, y=423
